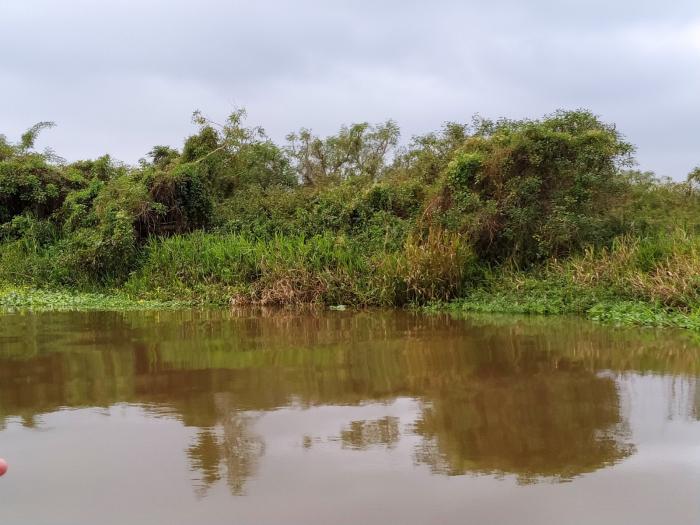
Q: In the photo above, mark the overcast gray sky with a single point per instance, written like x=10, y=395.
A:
x=119, y=76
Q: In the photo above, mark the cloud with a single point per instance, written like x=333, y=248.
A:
x=121, y=76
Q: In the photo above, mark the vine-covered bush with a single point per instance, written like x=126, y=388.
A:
x=528, y=190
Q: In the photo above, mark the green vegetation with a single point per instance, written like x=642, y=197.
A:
x=651, y=281
x=533, y=216
x=27, y=298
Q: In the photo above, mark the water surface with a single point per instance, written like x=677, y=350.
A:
x=334, y=418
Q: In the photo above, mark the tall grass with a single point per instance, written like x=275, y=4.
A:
x=325, y=269
x=653, y=280
x=662, y=269
x=434, y=268
x=223, y=268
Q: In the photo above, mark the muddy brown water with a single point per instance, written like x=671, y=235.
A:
x=344, y=418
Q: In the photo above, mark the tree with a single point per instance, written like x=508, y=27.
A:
x=357, y=150
x=693, y=178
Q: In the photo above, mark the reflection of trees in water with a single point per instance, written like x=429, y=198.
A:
x=363, y=434
x=205, y=458
x=521, y=397
x=554, y=425
x=231, y=447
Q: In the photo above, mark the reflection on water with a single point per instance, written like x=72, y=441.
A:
x=550, y=424
x=360, y=435
x=260, y=397
x=235, y=448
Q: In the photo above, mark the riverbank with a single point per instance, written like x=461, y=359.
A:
x=608, y=311
x=536, y=217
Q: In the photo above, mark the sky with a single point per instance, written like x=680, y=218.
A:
x=120, y=76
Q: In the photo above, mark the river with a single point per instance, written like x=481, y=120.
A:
x=376, y=417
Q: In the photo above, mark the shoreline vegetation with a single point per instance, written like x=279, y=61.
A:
x=543, y=216
x=23, y=298
x=614, y=312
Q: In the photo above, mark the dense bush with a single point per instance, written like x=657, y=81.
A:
x=29, y=182
x=529, y=190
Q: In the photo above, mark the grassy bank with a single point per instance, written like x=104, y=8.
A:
x=609, y=311
x=651, y=281
x=323, y=269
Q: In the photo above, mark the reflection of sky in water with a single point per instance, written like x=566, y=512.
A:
x=663, y=415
